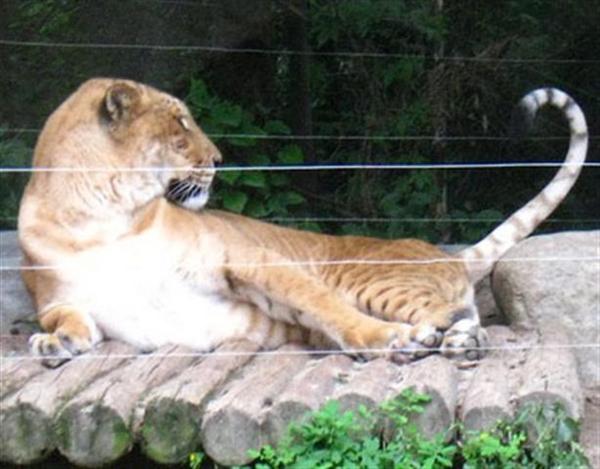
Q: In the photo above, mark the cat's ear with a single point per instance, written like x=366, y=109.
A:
x=121, y=101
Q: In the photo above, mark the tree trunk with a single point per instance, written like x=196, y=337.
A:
x=300, y=113
x=439, y=111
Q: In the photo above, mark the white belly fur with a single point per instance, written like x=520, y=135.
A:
x=135, y=291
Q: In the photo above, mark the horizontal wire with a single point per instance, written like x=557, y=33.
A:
x=300, y=167
x=394, y=219
x=319, y=263
x=187, y=3
x=406, y=220
x=217, y=353
x=437, y=138
x=236, y=50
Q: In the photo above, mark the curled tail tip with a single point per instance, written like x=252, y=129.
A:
x=524, y=113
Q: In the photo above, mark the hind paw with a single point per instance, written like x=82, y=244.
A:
x=424, y=340
x=466, y=339
x=421, y=340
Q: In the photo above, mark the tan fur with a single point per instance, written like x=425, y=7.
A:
x=270, y=284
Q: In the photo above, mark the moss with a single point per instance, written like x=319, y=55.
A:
x=122, y=440
x=25, y=434
x=171, y=430
x=92, y=434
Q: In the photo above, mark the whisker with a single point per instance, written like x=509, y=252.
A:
x=180, y=190
x=197, y=191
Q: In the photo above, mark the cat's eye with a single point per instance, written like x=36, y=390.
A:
x=181, y=143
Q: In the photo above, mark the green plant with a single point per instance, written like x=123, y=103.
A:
x=14, y=153
x=499, y=448
x=238, y=132
x=196, y=459
x=332, y=439
x=539, y=437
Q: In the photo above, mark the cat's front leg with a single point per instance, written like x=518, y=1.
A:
x=68, y=332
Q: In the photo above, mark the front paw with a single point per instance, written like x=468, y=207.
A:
x=466, y=339
x=57, y=348
x=395, y=341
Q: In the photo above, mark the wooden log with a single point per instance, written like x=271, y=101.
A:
x=369, y=385
x=16, y=371
x=437, y=377
x=233, y=422
x=306, y=393
x=487, y=399
x=549, y=374
x=93, y=428
x=171, y=418
x=15, y=302
x=13, y=345
x=16, y=365
x=26, y=416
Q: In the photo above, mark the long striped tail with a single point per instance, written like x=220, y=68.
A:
x=481, y=257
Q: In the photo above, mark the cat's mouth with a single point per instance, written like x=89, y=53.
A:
x=187, y=193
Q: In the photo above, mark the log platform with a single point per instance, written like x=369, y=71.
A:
x=96, y=408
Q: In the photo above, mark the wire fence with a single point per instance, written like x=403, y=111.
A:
x=312, y=352
x=329, y=262
x=327, y=167
x=302, y=167
x=309, y=219
x=284, y=52
x=375, y=138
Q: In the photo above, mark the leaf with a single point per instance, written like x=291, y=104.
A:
x=292, y=198
x=276, y=127
x=227, y=114
x=256, y=209
x=195, y=460
x=249, y=128
x=253, y=179
x=234, y=201
x=229, y=177
x=567, y=430
x=198, y=97
x=278, y=179
x=242, y=141
x=259, y=159
x=291, y=154
x=279, y=202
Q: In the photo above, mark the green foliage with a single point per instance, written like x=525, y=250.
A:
x=351, y=90
x=195, y=460
x=44, y=18
x=335, y=439
x=470, y=225
x=238, y=134
x=539, y=437
x=402, y=95
x=14, y=153
x=379, y=19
